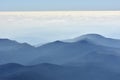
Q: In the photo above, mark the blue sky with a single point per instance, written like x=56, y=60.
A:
x=38, y=5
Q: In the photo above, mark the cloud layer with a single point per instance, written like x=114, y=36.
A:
x=45, y=26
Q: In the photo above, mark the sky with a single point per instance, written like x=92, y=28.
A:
x=56, y=5
x=46, y=26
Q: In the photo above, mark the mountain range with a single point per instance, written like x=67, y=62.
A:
x=88, y=57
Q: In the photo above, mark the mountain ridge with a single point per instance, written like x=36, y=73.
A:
x=57, y=52
x=90, y=57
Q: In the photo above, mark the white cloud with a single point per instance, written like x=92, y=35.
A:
x=48, y=26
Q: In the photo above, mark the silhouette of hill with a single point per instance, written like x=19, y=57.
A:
x=88, y=57
x=55, y=72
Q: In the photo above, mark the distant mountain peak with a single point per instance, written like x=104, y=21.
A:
x=11, y=65
x=91, y=36
x=59, y=42
x=5, y=40
x=86, y=37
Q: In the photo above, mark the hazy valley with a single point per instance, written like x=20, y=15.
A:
x=88, y=57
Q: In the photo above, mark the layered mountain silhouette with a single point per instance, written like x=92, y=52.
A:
x=14, y=52
x=68, y=52
x=88, y=57
x=48, y=71
x=97, y=39
x=10, y=45
x=83, y=50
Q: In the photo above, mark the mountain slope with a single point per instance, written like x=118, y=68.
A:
x=10, y=45
x=63, y=53
x=14, y=52
x=88, y=57
x=85, y=49
x=56, y=72
x=97, y=39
